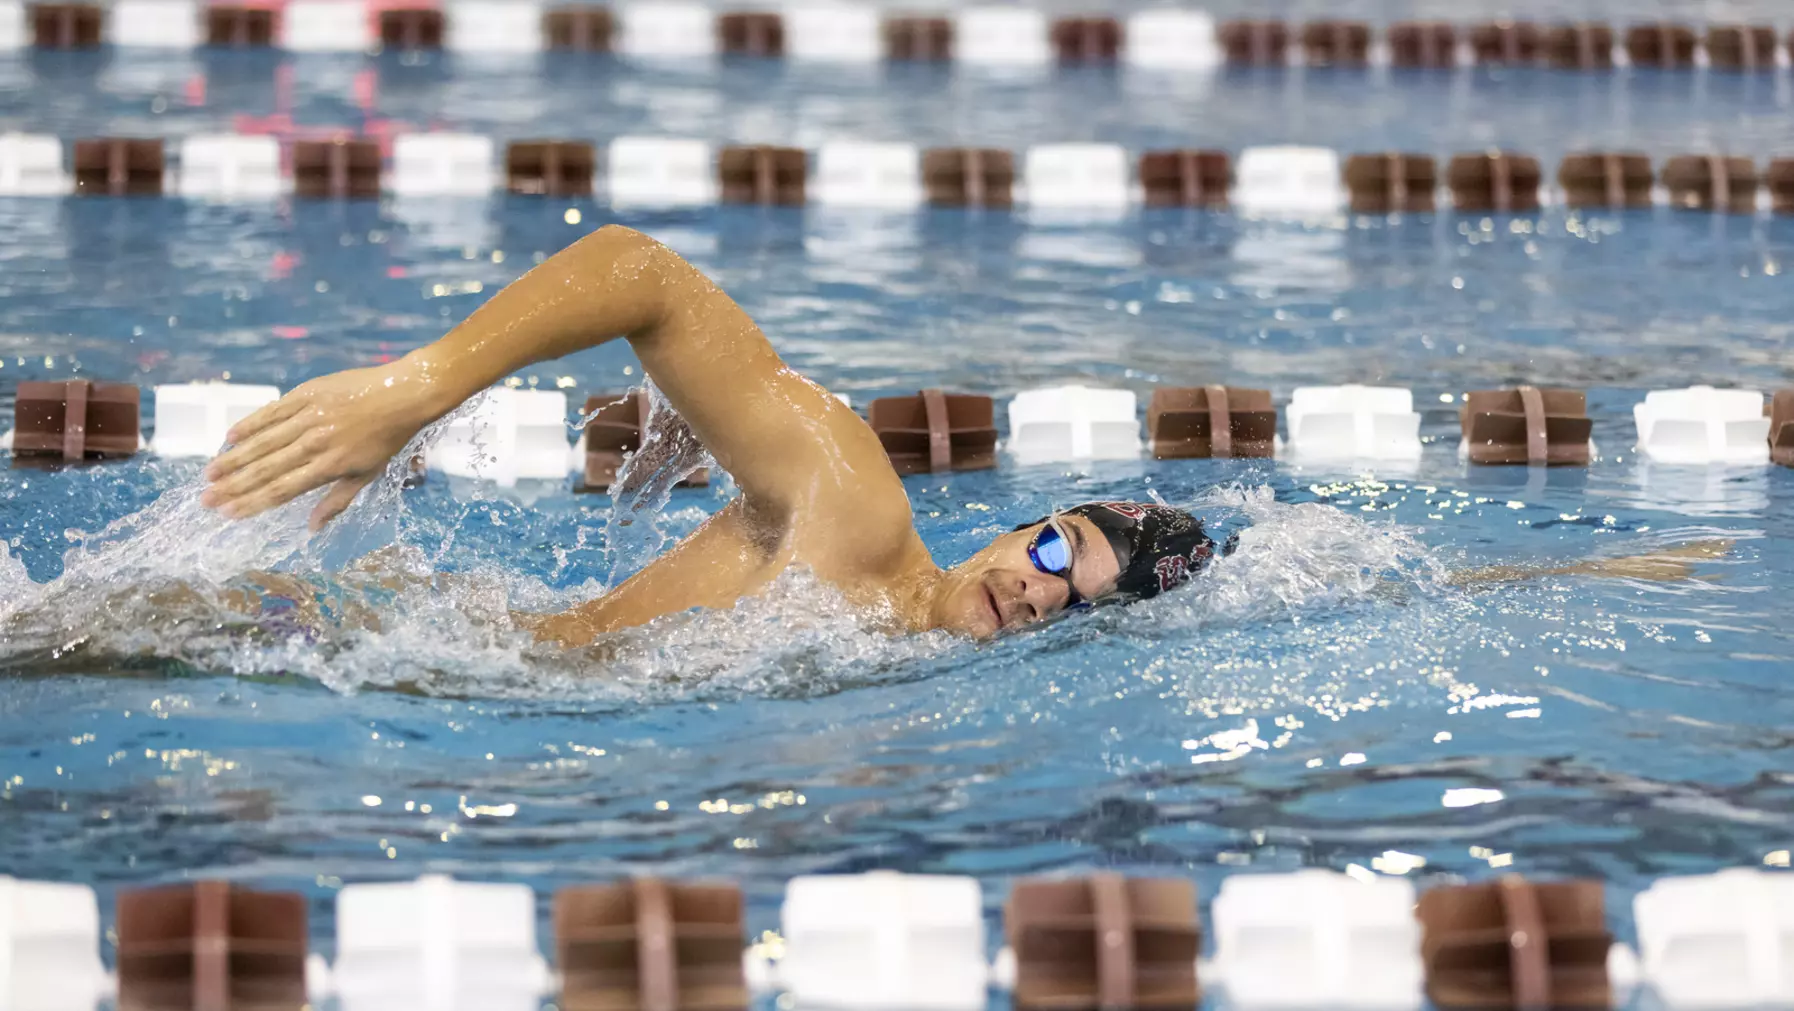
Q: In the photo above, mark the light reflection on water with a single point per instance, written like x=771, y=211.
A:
x=1327, y=705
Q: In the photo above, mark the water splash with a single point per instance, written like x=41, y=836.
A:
x=381, y=602
x=1303, y=558
x=670, y=453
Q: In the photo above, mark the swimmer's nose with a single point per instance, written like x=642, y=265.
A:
x=1044, y=595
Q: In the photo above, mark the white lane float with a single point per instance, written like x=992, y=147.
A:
x=192, y=419
x=1063, y=423
x=884, y=941
x=1353, y=423
x=1702, y=425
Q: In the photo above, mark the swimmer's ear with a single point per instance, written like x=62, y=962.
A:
x=337, y=499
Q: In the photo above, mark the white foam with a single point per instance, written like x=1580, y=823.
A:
x=1297, y=558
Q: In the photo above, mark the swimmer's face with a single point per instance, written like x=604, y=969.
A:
x=999, y=589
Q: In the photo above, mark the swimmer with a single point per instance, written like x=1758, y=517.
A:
x=817, y=489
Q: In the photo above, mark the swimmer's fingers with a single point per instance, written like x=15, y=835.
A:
x=262, y=444
x=337, y=499
x=268, y=414
x=228, y=494
x=280, y=452
x=280, y=491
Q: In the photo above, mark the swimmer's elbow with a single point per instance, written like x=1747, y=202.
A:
x=632, y=253
x=622, y=235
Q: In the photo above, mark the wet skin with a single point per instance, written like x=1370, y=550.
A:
x=816, y=487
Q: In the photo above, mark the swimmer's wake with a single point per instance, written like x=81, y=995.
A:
x=169, y=591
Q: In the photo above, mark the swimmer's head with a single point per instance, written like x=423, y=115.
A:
x=1092, y=553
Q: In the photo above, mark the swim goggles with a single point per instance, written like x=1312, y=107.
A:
x=1051, y=553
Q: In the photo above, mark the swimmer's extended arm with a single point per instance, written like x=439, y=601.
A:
x=1665, y=566
x=784, y=439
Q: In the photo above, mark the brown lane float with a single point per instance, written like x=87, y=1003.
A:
x=1392, y=182
x=1507, y=43
x=1664, y=44
x=1104, y=942
x=1495, y=181
x=968, y=177
x=745, y=33
x=933, y=432
x=67, y=26
x=1423, y=44
x=340, y=169
x=1210, y=421
x=918, y=38
x=1514, y=944
x=617, y=421
x=1527, y=425
x=75, y=420
x=240, y=27
x=552, y=168
x=211, y=946
x=1711, y=183
x=1584, y=46
x=411, y=28
x=1605, y=179
x=1185, y=178
x=1087, y=40
x=585, y=28
x=1741, y=47
x=1781, y=428
x=650, y=945
x=118, y=167
x=1255, y=43
x=762, y=175
x=1780, y=180
x=1336, y=43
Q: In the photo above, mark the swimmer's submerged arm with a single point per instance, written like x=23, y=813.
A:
x=1665, y=566
x=723, y=559
x=773, y=430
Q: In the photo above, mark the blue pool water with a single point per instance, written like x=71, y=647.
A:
x=1322, y=699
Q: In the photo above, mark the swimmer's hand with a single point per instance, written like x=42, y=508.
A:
x=338, y=430
x=568, y=631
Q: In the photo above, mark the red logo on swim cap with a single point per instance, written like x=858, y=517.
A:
x=1130, y=510
x=1171, y=570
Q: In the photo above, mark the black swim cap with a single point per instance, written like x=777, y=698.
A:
x=1158, y=547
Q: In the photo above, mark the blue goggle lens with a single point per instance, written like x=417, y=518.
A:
x=1051, y=552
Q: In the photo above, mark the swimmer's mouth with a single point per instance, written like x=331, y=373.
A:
x=995, y=611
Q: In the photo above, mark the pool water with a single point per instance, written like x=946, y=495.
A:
x=1325, y=697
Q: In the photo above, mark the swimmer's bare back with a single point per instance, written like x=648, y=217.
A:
x=816, y=486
